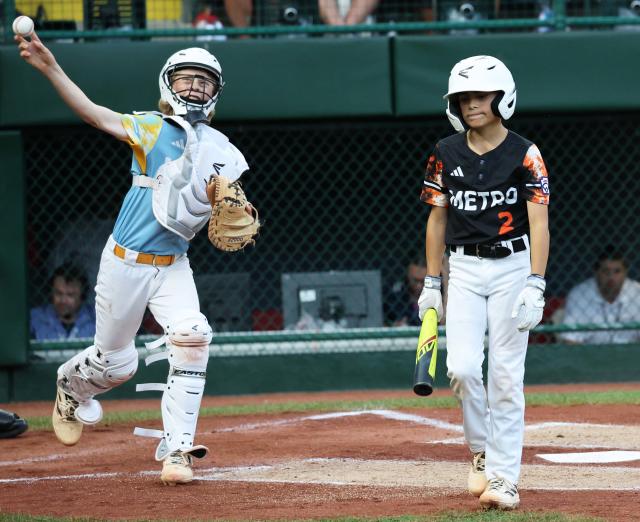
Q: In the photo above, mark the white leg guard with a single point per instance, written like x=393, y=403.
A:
x=92, y=372
x=188, y=343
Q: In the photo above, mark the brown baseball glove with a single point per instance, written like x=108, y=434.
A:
x=234, y=222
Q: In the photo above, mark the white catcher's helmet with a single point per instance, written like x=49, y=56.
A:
x=480, y=74
x=197, y=58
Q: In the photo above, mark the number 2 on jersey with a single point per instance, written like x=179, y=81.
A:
x=506, y=226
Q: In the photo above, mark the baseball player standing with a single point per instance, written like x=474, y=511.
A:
x=489, y=192
x=144, y=262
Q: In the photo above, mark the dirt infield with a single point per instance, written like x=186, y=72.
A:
x=306, y=465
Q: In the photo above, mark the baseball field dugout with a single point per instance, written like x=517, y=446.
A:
x=347, y=196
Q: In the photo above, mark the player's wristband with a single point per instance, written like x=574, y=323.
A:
x=433, y=282
x=537, y=281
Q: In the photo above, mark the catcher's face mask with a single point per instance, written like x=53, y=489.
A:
x=191, y=80
x=194, y=85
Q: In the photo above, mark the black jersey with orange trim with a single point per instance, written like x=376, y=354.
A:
x=485, y=194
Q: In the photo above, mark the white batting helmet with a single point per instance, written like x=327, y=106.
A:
x=480, y=74
x=197, y=58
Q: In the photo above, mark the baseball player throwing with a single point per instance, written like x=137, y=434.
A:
x=144, y=262
x=489, y=193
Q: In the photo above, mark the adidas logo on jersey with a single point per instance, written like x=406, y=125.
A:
x=179, y=143
x=457, y=172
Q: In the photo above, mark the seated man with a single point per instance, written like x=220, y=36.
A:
x=608, y=297
x=401, y=306
x=67, y=316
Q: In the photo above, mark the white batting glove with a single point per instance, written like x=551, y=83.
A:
x=430, y=297
x=530, y=303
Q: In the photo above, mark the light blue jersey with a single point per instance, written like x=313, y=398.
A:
x=154, y=142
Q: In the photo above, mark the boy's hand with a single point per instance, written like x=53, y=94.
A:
x=430, y=297
x=529, y=304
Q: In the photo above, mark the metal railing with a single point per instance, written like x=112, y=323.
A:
x=354, y=334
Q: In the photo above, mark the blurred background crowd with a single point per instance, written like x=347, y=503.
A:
x=125, y=15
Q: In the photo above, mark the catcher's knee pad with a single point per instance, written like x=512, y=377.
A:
x=92, y=371
x=188, y=342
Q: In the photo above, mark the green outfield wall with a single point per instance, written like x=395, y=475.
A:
x=282, y=78
x=268, y=79
x=13, y=252
x=545, y=364
x=569, y=71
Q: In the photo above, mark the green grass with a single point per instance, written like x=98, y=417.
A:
x=487, y=516
x=533, y=399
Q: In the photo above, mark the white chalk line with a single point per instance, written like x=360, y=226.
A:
x=592, y=457
x=243, y=474
x=50, y=458
x=31, y=480
x=458, y=441
x=388, y=414
x=547, y=425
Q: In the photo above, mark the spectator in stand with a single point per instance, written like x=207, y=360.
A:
x=609, y=297
x=341, y=12
x=401, y=306
x=239, y=12
x=206, y=19
x=67, y=316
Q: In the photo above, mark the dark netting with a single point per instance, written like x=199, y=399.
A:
x=334, y=196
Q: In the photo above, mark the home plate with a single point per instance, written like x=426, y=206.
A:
x=592, y=457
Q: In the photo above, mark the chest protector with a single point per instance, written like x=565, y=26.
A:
x=180, y=202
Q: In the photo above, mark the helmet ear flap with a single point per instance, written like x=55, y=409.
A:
x=455, y=114
x=495, y=104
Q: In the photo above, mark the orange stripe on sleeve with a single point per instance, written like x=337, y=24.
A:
x=433, y=191
x=537, y=174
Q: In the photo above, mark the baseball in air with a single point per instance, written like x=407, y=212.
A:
x=23, y=25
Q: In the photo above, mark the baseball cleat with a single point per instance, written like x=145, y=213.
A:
x=501, y=494
x=176, y=468
x=67, y=428
x=477, y=480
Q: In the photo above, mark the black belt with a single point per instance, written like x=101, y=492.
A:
x=495, y=251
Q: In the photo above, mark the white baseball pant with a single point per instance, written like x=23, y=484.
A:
x=481, y=294
x=124, y=290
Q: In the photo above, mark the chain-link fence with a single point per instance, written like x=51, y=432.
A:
x=221, y=19
x=342, y=219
